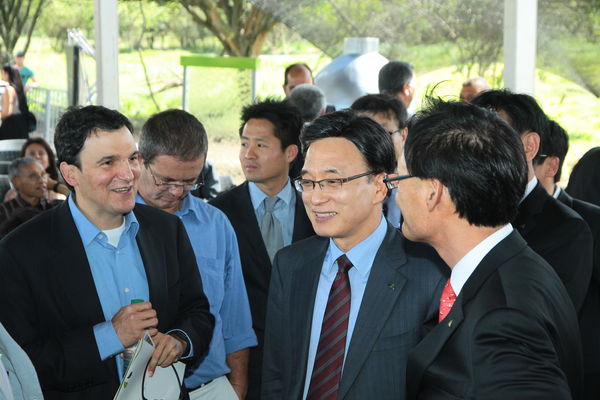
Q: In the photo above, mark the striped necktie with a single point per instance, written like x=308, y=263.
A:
x=327, y=371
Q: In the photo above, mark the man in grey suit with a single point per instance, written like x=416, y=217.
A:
x=344, y=308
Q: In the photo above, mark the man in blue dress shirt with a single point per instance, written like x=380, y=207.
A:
x=70, y=276
x=173, y=145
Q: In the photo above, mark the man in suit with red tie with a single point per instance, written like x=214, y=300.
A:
x=344, y=308
x=506, y=327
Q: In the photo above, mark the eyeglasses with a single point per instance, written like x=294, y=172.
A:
x=186, y=187
x=398, y=130
x=326, y=185
x=392, y=183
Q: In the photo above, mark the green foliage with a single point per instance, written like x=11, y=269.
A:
x=17, y=18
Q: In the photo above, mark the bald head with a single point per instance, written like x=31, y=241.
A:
x=295, y=75
x=472, y=87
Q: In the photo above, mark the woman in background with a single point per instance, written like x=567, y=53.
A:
x=14, y=105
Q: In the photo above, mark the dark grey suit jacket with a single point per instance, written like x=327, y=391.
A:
x=49, y=303
x=511, y=334
x=403, y=288
x=256, y=265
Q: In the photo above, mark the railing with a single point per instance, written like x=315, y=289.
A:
x=47, y=105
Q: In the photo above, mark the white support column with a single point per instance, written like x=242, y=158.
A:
x=106, y=21
x=520, y=45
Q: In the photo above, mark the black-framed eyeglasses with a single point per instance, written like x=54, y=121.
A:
x=326, y=185
x=186, y=187
x=398, y=130
x=392, y=182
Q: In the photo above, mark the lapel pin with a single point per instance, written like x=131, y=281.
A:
x=392, y=286
x=450, y=323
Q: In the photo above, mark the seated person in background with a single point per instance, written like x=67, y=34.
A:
x=472, y=87
x=390, y=113
x=584, y=182
x=309, y=100
x=39, y=149
x=29, y=180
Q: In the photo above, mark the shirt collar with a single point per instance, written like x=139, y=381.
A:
x=529, y=188
x=187, y=206
x=362, y=255
x=557, y=191
x=257, y=196
x=88, y=231
x=465, y=267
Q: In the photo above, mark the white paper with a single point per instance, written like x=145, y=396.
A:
x=163, y=385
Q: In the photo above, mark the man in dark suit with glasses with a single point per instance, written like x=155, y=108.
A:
x=353, y=297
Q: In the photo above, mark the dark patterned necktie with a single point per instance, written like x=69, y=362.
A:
x=327, y=371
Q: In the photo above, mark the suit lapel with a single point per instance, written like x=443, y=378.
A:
x=529, y=208
x=303, y=291
x=72, y=269
x=155, y=271
x=384, y=286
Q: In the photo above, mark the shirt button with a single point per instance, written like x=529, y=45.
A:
x=126, y=290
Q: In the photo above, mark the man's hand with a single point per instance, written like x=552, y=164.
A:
x=167, y=350
x=133, y=321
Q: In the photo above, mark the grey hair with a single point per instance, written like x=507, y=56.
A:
x=309, y=100
x=174, y=133
x=14, y=169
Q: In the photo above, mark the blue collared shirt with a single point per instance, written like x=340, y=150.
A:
x=361, y=256
x=393, y=211
x=284, y=210
x=215, y=246
x=118, y=273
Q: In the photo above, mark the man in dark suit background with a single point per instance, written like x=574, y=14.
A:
x=550, y=228
x=548, y=169
x=269, y=137
x=357, y=294
x=507, y=328
x=70, y=275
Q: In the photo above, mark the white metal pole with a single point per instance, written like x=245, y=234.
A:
x=520, y=45
x=106, y=21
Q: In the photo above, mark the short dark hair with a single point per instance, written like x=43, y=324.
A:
x=284, y=117
x=555, y=144
x=472, y=152
x=524, y=113
x=309, y=100
x=382, y=104
x=78, y=123
x=52, y=170
x=174, y=133
x=394, y=75
x=373, y=142
x=292, y=66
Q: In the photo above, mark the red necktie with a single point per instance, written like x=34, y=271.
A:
x=327, y=371
x=446, y=301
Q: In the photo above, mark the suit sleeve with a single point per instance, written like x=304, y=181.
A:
x=272, y=380
x=193, y=315
x=69, y=360
x=514, y=358
x=573, y=260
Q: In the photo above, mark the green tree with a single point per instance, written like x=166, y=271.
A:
x=17, y=18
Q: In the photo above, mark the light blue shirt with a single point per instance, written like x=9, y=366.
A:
x=215, y=246
x=393, y=211
x=284, y=210
x=361, y=256
x=118, y=273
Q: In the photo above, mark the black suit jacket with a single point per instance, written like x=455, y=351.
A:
x=49, y=303
x=511, y=334
x=561, y=237
x=256, y=265
x=589, y=317
x=404, y=286
x=584, y=178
